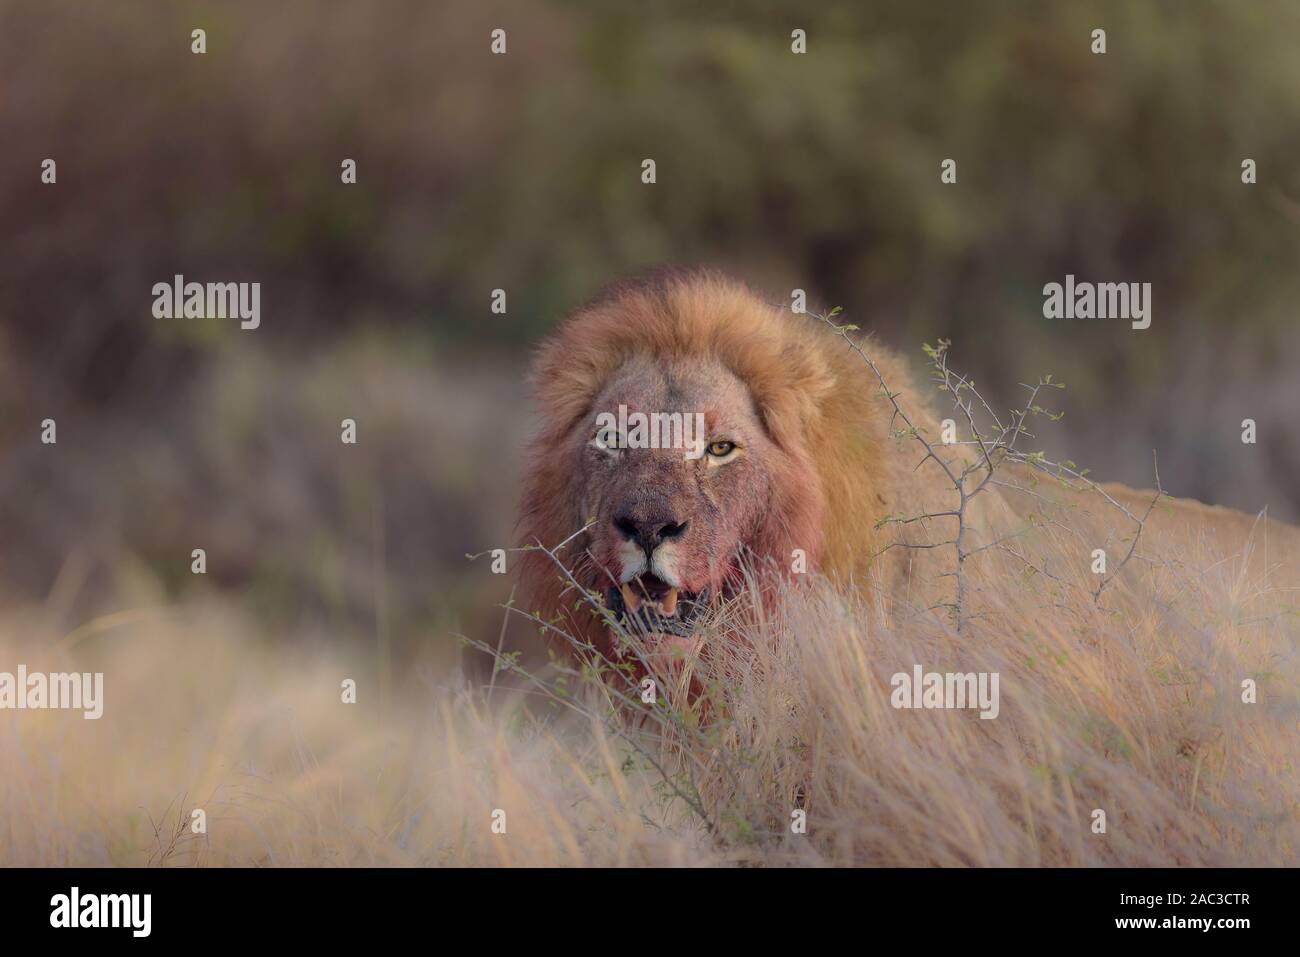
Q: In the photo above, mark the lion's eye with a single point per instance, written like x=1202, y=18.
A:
x=607, y=439
x=720, y=450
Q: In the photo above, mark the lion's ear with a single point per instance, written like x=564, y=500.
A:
x=794, y=517
x=793, y=403
x=794, y=400
x=565, y=380
x=786, y=424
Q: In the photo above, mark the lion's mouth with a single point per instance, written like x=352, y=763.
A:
x=649, y=604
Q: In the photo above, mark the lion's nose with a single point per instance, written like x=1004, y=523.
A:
x=648, y=533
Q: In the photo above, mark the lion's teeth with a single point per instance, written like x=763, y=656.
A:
x=668, y=607
x=629, y=598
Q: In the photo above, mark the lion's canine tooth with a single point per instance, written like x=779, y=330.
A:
x=668, y=607
x=629, y=598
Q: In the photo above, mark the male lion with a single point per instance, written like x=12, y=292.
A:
x=796, y=463
x=800, y=465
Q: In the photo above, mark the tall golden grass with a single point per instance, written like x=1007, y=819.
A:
x=1131, y=704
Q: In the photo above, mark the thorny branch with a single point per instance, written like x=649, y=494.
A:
x=995, y=445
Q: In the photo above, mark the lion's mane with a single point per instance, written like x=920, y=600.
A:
x=841, y=470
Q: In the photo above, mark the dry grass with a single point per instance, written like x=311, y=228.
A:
x=1132, y=705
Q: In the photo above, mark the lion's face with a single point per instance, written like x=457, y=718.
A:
x=672, y=466
x=673, y=515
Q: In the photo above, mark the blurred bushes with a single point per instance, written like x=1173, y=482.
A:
x=522, y=172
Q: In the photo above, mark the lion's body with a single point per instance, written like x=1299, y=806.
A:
x=1262, y=547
